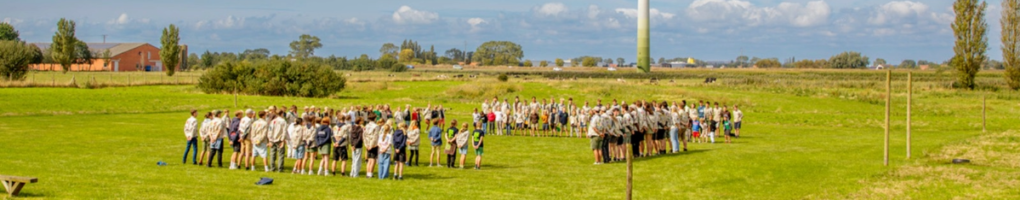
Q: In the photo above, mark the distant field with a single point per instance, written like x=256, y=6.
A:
x=808, y=135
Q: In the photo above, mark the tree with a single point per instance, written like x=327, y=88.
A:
x=170, y=54
x=543, y=63
x=619, y=61
x=207, y=59
x=455, y=54
x=909, y=64
x=769, y=63
x=608, y=61
x=432, y=55
x=389, y=50
x=742, y=61
x=498, y=53
x=559, y=62
x=1011, y=42
x=880, y=61
x=255, y=54
x=406, y=56
x=64, y=44
x=969, y=28
x=7, y=32
x=83, y=54
x=589, y=61
x=662, y=60
x=106, y=56
x=305, y=46
x=849, y=60
x=527, y=63
x=15, y=56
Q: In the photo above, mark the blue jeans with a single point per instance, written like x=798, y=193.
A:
x=384, y=165
x=673, y=137
x=485, y=126
x=356, y=162
x=191, y=143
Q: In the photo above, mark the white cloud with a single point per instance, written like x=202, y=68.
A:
x=743, y=12
x=593, y=11
x=474, y=22
x=652, y=13
x=406, y=14
x=12, y=21
x=897, y=11
x=124, y=19
x=229, y=22
x=551, y=9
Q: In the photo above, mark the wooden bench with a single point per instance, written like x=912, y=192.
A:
x=13, y=184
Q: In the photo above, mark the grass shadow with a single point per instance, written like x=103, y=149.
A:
x=688, y=152
x=425, y=176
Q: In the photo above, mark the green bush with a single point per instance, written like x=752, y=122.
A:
x=275, y=78
x=503, y=77
x=397, y=67
x=15, y=56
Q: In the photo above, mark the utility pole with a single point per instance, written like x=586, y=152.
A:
x=104, y=38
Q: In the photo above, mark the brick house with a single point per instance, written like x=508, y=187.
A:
x=124, y=57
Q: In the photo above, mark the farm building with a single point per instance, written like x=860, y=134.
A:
x=123, y=57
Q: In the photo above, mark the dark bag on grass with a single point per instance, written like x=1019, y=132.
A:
x=264, y=181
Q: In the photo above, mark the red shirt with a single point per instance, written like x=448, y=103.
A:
x=492, y=116
x=414, y=116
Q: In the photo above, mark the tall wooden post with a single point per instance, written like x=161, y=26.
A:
x=888, y=102
x=630, y=172
x=910, y=94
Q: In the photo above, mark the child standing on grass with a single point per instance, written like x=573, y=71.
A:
x=259, y=131
x=355, y=139
x=435, y=136
x=340, y=143
x=296, y=145
x=545, y=123
x=385, y=146
x=696, y=129
x=371, y=138
x=399, y=151
x=462, y=140
x=204, y=134
x=245, y=128
x=476, y=138
x=413, y=141
x=727, y=128
x=190, y=132
x=323, y=139
x=451, y=148
x=216, y=133
x=309, y=140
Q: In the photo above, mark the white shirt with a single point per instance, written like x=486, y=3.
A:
x=593, y=126
x=259, y=129
x=371, y=135
x=385, y=141
x=245, y=125
x=190, y=126
x=738, y=116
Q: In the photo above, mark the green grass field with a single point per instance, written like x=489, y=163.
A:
x=821, y=140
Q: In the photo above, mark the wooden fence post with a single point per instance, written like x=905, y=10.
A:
x=888, y=102
x=910, y=94
x=630, y=172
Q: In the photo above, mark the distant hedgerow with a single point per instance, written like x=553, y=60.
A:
x=273, y=77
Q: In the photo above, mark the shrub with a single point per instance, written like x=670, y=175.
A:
x=397, y=67
x=15, y=56
x=503, y=77
x=275, y=78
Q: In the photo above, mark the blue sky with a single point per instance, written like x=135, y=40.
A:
x=715, y=30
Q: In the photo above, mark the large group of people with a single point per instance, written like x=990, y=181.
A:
x=320, y=138
x=652, y=128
